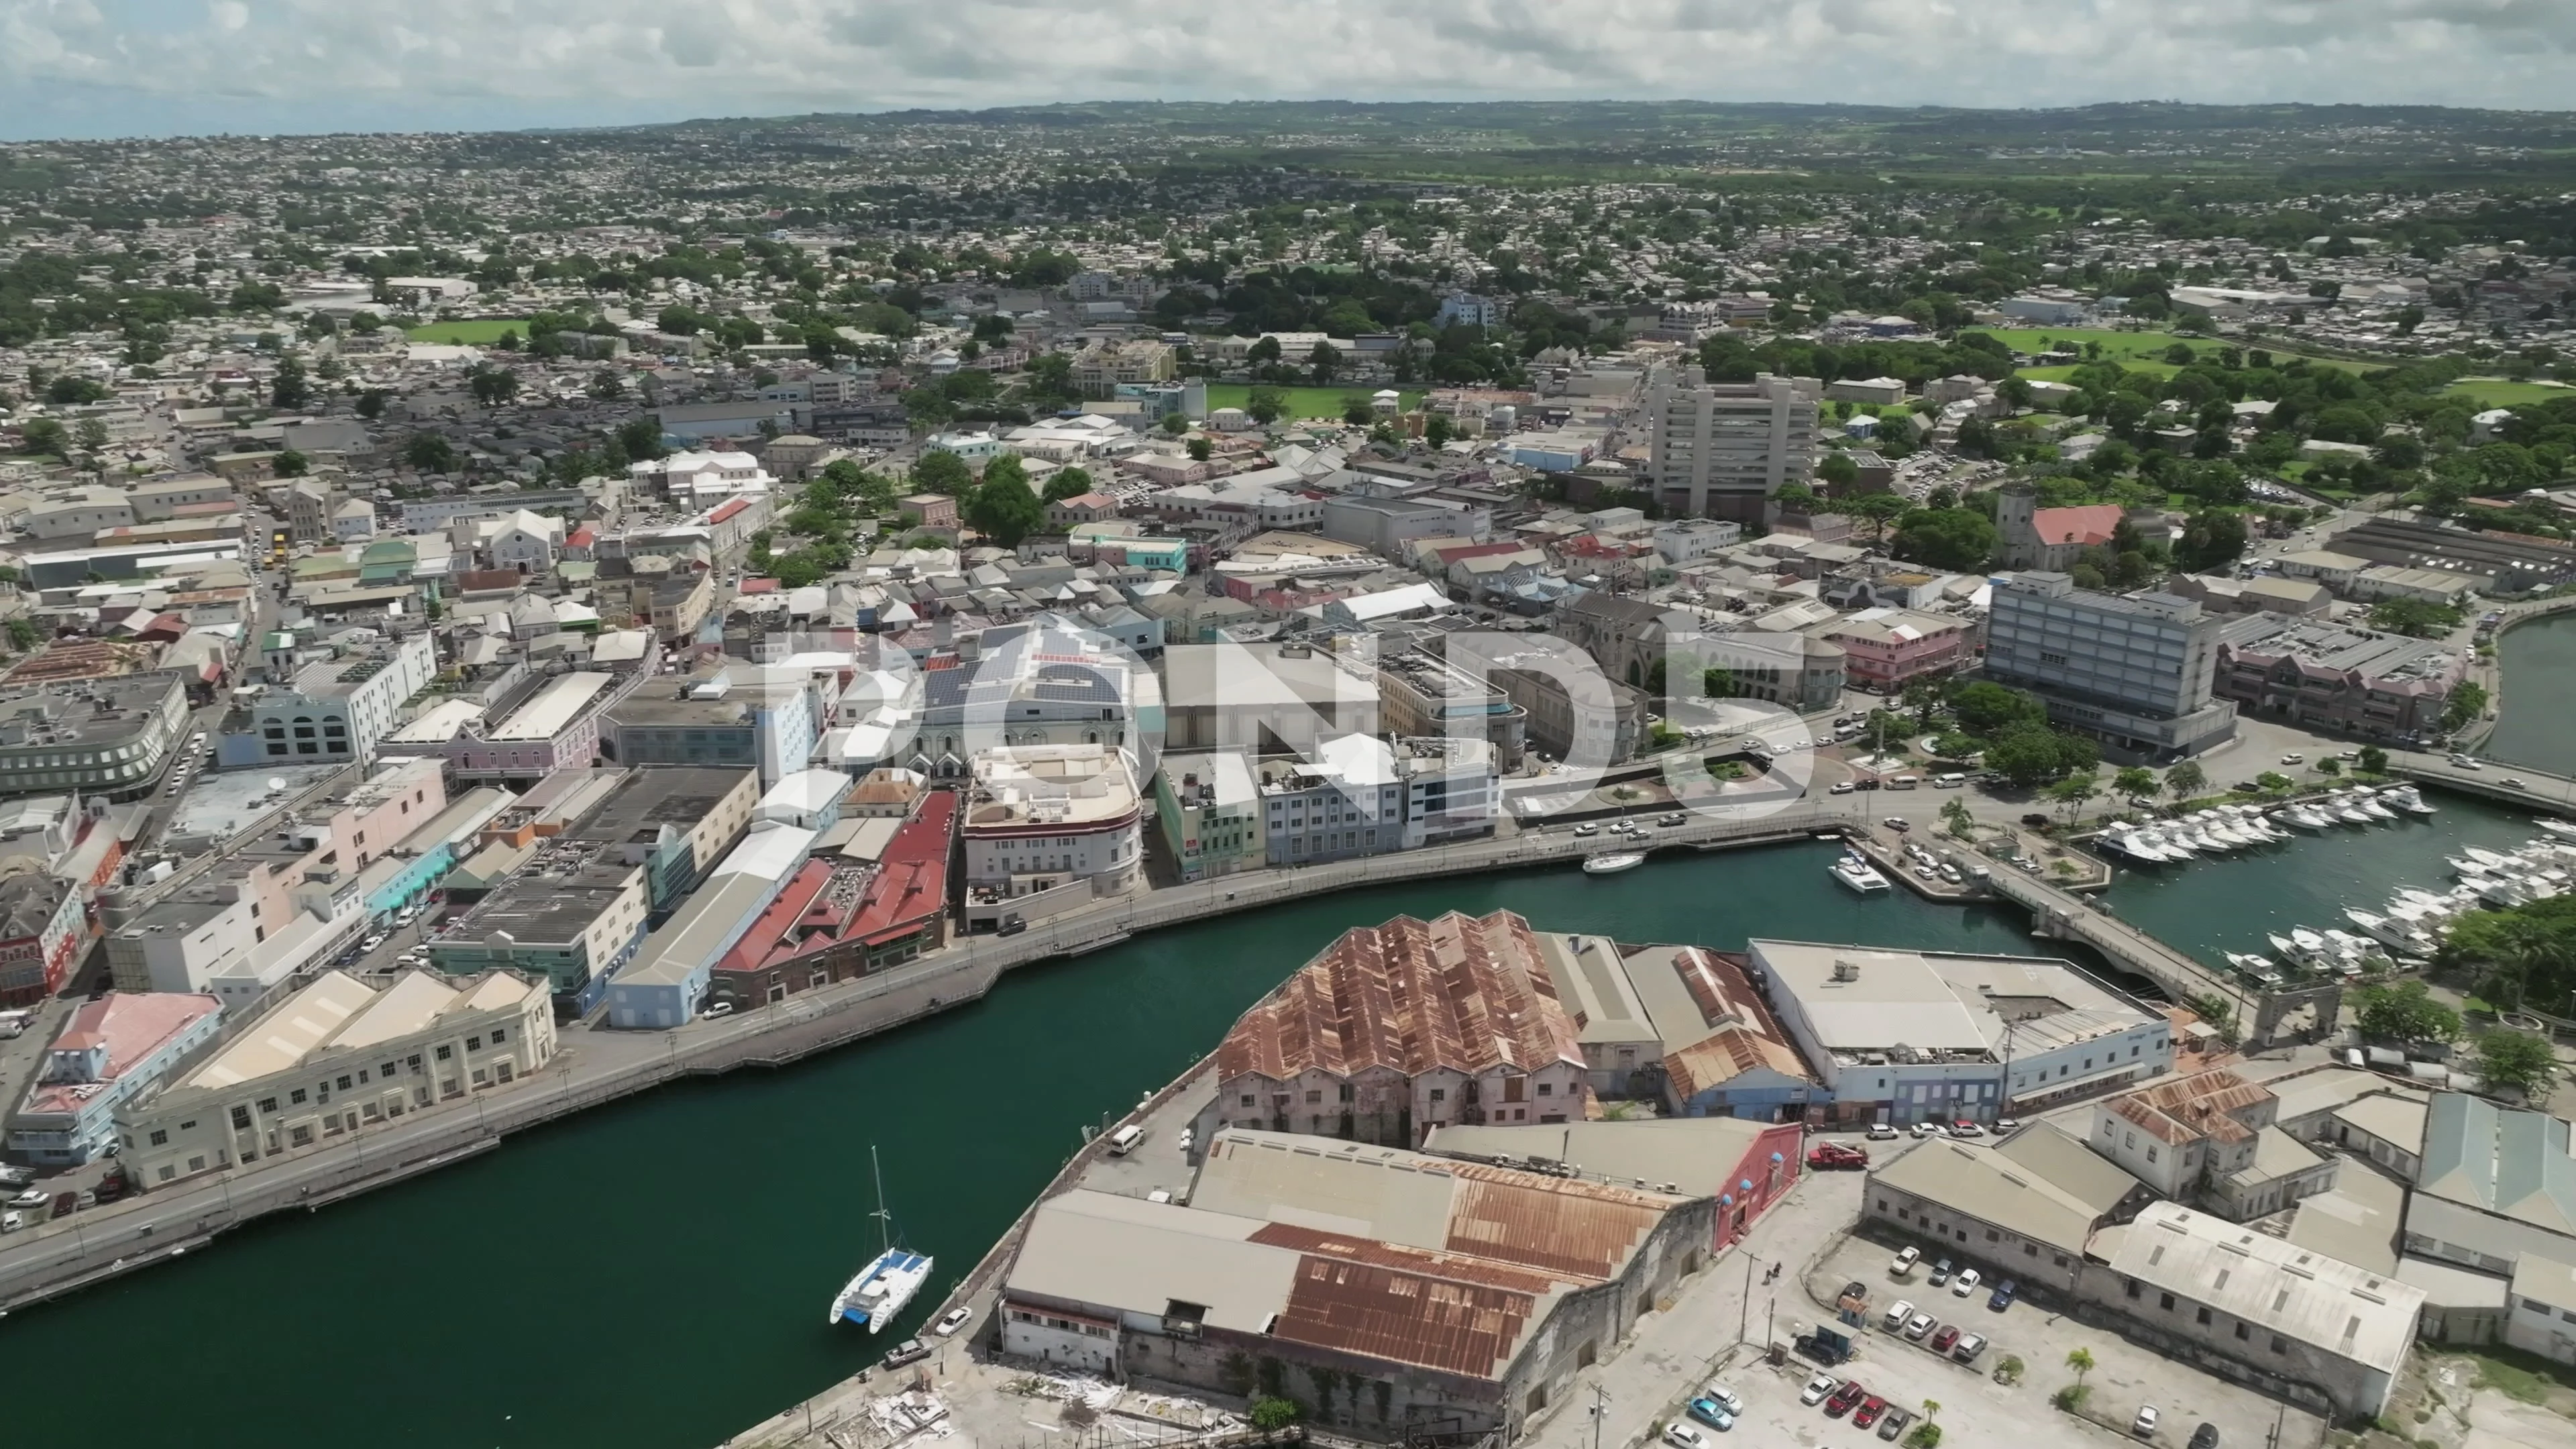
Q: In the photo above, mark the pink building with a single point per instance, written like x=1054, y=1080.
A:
x=1886, y=648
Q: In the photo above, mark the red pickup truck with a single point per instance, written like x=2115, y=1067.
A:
x=1827, y=1156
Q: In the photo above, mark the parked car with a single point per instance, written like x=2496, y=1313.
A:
x=1845, y=1399
x=2144, y=1426
x=1725, y=1398
x=718, y=1008
x=1927, y=1129
x=1905, y=1262
x=1919, y=1325
x=1894, y=1424
x=911, y=1350
x=1011, y=926
x=2004, y=1293
x=34, y=1197
x=1965, y=1285
x=2205, y=1437
x=1868, y=1412
x=1856, y=1289
x=1897, y=823
x=1818, y=1386
x=2007, y=1125
x=1683, y=1436
x=1968, y=1347
x=953, y=1320
x=2035, y=819
x=1882, y=1132
x=1948, y=1336
x=16, y=1176
x=1940, y=1273
x=12, y=1222
x=1712, y=1413
x=1840, y=787
x=1963, y=1127
x=2294, y=758
x=1834, y=1156
x=1896, y=1314
x=65, y=1204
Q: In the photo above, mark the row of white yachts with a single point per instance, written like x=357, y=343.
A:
x=2224, y=829
x=2402, y=934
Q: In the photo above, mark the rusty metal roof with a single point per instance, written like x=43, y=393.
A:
x=1402, y=1304
x=2212, y=1105
x=1461, y=992
x=1561, y=1225
x=1726, y=1054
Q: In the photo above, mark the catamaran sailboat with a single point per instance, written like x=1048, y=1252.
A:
x=889, y=1280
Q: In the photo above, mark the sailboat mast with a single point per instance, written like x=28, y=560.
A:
x=885, y=1220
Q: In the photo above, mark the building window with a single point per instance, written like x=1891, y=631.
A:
x=241, y=1118
x=160, y=1138
x=268, y=1104
x=445, y=1051
x=296, y=1096
x=2241, y=1334
x=500, y=1035
x=2201, y=1317
x=2279, y=1345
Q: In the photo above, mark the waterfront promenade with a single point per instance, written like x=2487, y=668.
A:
x=598, y=1066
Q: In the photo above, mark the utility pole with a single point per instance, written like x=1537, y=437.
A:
x=1600, y=1411
x=1744, y=1309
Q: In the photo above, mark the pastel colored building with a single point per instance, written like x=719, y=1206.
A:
x=112, y=1050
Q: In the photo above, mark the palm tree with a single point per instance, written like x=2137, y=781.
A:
x=2080, y=1360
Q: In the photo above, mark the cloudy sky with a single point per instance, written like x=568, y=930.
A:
x=148, y=67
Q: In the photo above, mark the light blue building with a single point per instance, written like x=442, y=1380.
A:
x=669, y=980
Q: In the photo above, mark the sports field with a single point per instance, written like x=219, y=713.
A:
x=2498, y=392
x=1303, y=402
x=480, y=332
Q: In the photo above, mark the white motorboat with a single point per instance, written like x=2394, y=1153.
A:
x=2349, y=813
x=2369, y=805
x=2304, y=818
x=1859, y=874
x=2559, y=828
x=2491, y=859
x=2282, y=946
x=2307, y=943
x=2406, y=798
x=2394, y=932
x=1613, y=863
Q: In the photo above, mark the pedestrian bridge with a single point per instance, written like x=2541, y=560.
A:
x=2262, y=1017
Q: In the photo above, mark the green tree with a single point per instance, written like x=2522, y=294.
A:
x=42, y=436
x=2518, y=1061
x=371, y=404
x=1983, y=707
x=1266, y=405
x=1436, y=430
x=2026, y=757
x=2080, y=1360
x=1273, y=1413
x=492, y=386
x=1067, y=483
x=1176, y=424
x=606, y=385
x=1323, y=362
x=23, y=635
x=2468, y=702
x=2373, y=761
x=1958, y=818
x=429, y=453
x=1961, y=539
x=2135, y=781
x=1003, y=507
x=2210, y=538
x=941, y=471
x=2186, y=780
x=289, y=464
x=640, y=439
x=90, y=434
x=1200, y=449
x=1838, y=471
x=2405, y=1012
x=2073, y=792
x=1878, y=510
x=2420, y=617
x=290, y=391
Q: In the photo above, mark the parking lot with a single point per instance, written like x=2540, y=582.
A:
x=1972, y=1404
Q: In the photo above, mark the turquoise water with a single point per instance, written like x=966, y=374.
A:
x=2538, y=725
x=653, y=1275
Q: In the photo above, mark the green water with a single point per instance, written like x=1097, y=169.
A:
x=2538, y=726
x=653, y=1275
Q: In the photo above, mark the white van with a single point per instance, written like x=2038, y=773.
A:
x=1951, y=781
x=1904, y=782
x=1124, y=1140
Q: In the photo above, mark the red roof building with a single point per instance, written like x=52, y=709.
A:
x=833, y=923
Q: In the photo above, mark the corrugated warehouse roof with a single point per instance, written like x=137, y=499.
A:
x=1698, y=1155
x=2512, y=1163
x=1466, y=993
x=2296, y=1292
x=1980, y=1183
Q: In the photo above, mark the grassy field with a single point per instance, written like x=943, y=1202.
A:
x=2127, y=364
x=482, y=332
x=1303, y=402
x=2497, y=392
x=2141, y=350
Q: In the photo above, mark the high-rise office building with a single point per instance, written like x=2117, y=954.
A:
x=2133, y=670
x=1720, y=449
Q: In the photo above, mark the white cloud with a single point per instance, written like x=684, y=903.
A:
x=322, y=63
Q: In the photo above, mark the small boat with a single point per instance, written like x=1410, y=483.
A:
x=2255, y=968
x=2282, y=946
x=1615, y=863
x=1859, y=874
x=2406, y=798
x=2559, y=828
x=2348, y=813
x=2492, y=860
x=2303, y=817
x=2369, y=805
x=888, y=1282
